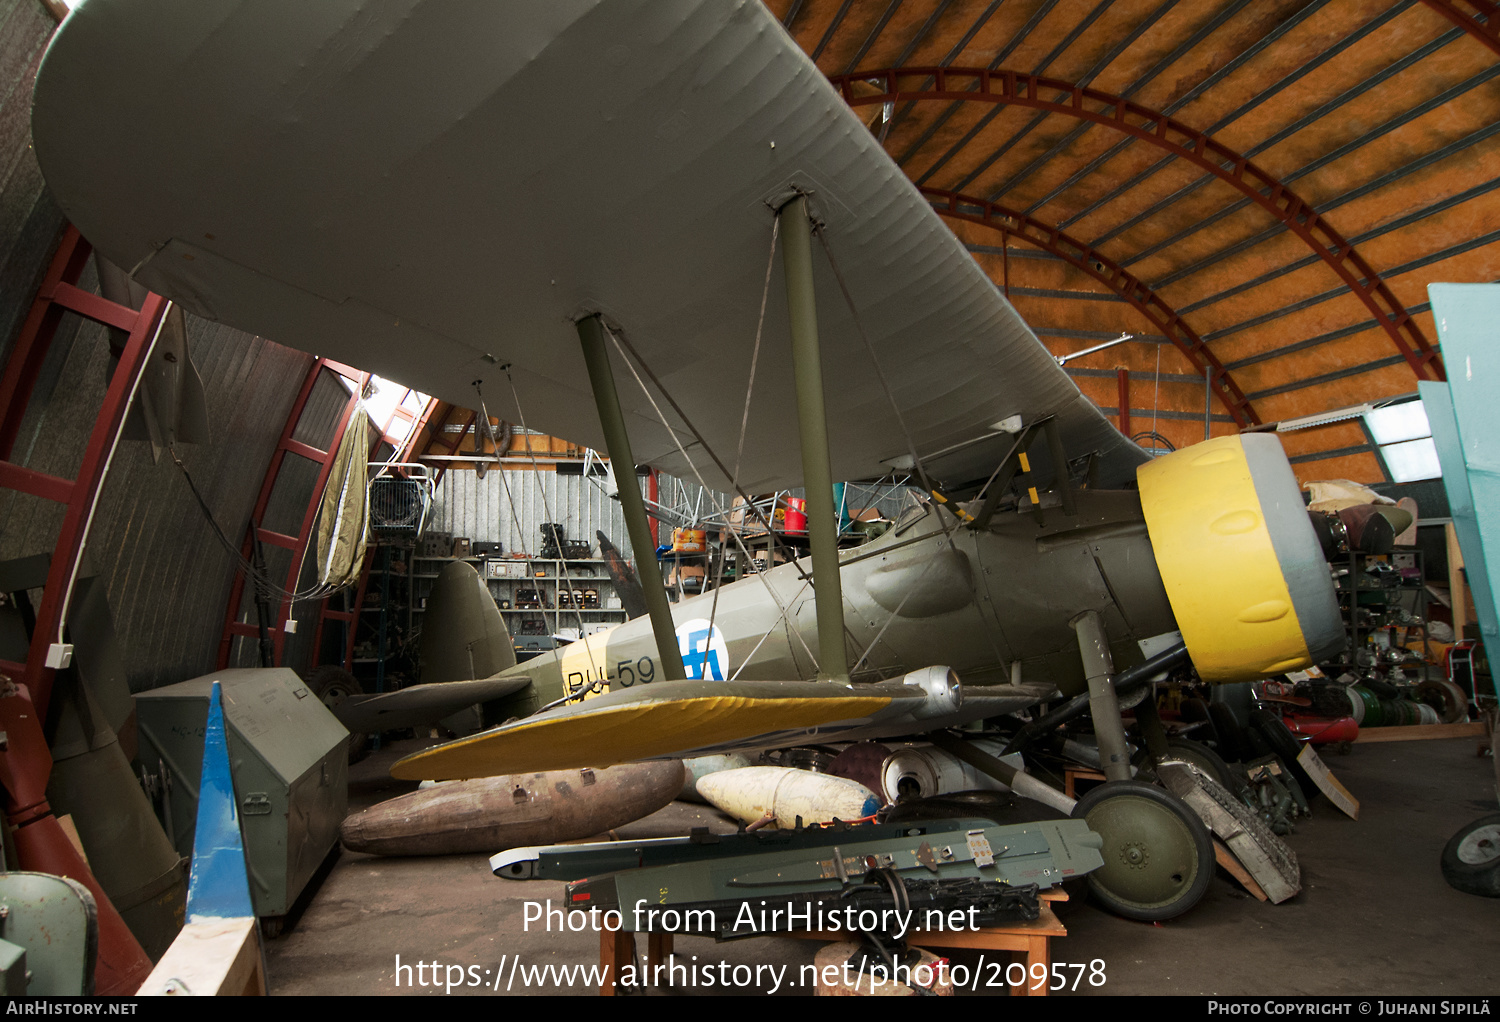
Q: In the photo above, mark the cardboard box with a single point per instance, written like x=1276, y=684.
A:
x=688, y=575
x=744, y=522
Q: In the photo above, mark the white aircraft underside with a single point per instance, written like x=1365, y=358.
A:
x=432, y=190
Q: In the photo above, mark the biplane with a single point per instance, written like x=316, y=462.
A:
x=652, y=226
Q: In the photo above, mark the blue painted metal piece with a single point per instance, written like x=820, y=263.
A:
x=1462, y=414
x=1445, y=436
x=219, y=887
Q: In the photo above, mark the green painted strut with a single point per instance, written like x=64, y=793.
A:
x=812, y=423
x=617, y=442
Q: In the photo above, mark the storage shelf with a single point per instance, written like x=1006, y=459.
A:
x=560, y=574
x=559, y=610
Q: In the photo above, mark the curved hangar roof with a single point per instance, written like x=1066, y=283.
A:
x=1267, y=187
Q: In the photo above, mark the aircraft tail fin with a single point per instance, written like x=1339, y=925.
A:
x=464, y=637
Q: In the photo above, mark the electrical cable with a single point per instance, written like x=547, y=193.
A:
x=263, y=584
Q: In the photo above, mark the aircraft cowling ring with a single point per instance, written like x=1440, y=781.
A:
x=1243, y=569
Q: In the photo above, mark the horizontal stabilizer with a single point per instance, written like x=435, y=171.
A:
x=421, y=704
x=694, y=718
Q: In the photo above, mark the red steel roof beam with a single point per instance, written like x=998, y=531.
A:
x=1113, y=276
x=1466, y=14
x=900, y=85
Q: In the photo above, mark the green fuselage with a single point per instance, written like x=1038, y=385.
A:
x=976, y=601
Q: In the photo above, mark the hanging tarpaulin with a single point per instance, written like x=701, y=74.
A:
x=344, y=521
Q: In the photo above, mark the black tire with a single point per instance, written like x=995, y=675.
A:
x=1158, y=856
x=1471, y=860
x=1450, y=701
x=1227, y=728
x=332, y=685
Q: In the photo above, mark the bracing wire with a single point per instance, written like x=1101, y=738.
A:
x=263, y=584
x=596, y=683
x=911, y=445
x=718, y=508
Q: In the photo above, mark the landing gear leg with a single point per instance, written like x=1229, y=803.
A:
x=1158, y=856
x=1114, y=758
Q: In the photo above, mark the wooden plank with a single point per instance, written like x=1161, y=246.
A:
x=210, y=958
x=1456, y=586
x=1420, y=732
x=616, y=951
x=1224, y=857
x=1327, y=783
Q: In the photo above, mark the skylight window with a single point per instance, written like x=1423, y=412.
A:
x=1405, y=442
x=385, y=395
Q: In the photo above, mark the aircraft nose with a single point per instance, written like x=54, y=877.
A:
x=1243, y=568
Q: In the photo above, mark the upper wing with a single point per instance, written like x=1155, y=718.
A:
x=431, y=190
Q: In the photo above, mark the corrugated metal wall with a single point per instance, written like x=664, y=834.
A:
x=478, y=509
x=688, y=498
x=30, y=222
x=466, y=505
x=167, y=578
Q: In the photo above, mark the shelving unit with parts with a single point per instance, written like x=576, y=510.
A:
x=383, y=625
x=537, y=596
x=1383, y=594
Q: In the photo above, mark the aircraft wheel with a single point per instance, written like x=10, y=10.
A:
x=1471, y=861
x=1158, y=856
x=1450, y=701
x=332, y=684
x=1229, y=732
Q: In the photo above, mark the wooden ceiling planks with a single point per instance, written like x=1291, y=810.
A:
x=1381, y=115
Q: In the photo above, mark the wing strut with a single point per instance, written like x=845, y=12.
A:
x=812, y=423
x=617, y=442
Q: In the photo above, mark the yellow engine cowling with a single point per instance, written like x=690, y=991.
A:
x=1246, y=577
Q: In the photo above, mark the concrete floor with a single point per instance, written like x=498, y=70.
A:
x=1374, y=915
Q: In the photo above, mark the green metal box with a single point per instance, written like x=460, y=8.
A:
x=289, y=758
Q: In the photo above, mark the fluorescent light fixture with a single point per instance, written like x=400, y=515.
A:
x=1412, y=460
x=1396, y=423
x=1323, y=418
x=1063, y=360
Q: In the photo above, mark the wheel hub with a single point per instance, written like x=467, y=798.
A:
x=1480, y=847
x=1155, y=861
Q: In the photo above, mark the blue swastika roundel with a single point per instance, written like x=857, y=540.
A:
x=704, y=654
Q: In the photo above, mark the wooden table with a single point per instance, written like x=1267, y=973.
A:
x=1032, y=937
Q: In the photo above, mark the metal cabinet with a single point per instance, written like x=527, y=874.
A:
x=288, y=756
